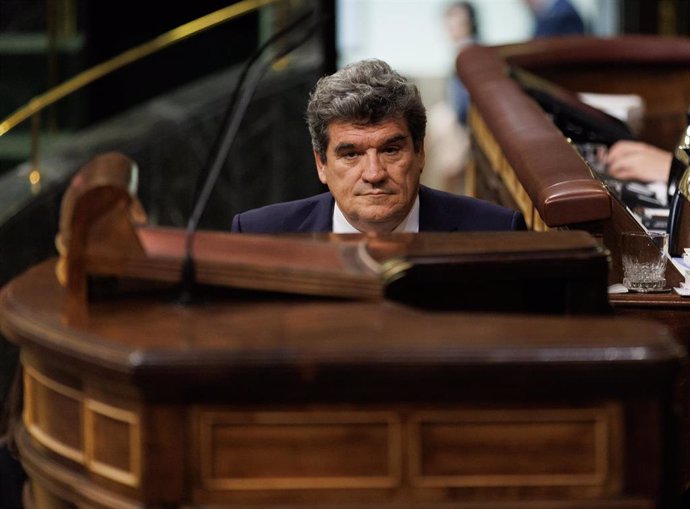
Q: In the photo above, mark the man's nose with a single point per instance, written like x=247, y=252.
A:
x=374, y=170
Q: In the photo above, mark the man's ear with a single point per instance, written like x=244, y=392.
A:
x=421, y=159
x=320, y=167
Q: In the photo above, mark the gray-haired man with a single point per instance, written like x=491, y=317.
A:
x=367, y=125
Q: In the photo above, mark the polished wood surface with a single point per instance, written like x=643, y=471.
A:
x=264, y=400
x=523, y=160
x=104, y=235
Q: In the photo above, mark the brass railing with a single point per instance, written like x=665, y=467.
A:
x=37, y=104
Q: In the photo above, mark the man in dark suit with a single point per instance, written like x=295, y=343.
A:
x=554, y=18
x=367, y=125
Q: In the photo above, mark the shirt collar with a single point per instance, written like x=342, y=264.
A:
x=408, y=225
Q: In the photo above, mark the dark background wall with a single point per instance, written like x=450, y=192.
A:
x=113, y=27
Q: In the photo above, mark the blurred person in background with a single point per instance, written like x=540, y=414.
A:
x=555, y=17
x=461, y=25
x=447, y=142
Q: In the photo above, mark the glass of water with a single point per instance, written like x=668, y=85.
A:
x=644, y=257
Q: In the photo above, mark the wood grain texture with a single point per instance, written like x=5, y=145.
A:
x=264, y=400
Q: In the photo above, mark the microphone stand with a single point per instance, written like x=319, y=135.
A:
x=229, y=133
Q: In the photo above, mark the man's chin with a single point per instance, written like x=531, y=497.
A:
x=382, y=215
x=381, y=219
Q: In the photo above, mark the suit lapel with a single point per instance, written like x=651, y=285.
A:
x=320, y=219
x=432, y=216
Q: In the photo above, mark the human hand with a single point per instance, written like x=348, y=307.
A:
x=635, y=160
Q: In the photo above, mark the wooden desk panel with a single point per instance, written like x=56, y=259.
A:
x=268, y=401
x=552, y=185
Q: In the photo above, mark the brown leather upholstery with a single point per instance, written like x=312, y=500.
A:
x=554, y=176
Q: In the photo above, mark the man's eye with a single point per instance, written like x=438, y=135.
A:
x=391, y=150
x=349, y=155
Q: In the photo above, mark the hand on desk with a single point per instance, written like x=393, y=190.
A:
x=635, y=160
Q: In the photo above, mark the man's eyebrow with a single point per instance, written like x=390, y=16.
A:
x=394, y=139
x=341, y=147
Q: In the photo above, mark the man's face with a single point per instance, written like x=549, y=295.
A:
x=372, y=171
x=458, y=24
x=536, y=5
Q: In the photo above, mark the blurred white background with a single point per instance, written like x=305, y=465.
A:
x=410, y=34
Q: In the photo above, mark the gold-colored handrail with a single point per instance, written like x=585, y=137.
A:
x=163, y=41
x=37, y=104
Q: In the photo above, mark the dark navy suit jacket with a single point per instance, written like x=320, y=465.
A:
x=438, y=212
x=560, y=19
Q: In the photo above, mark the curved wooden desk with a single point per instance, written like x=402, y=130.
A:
x=523, y=160
x=537, y=168
x=263, y=401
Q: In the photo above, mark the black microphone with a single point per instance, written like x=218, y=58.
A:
x=235, y=113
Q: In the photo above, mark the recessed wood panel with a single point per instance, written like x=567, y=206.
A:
x=508, y=448
x=514, y=448
x=53, y=414
x=299, y=450
x=113, y=442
